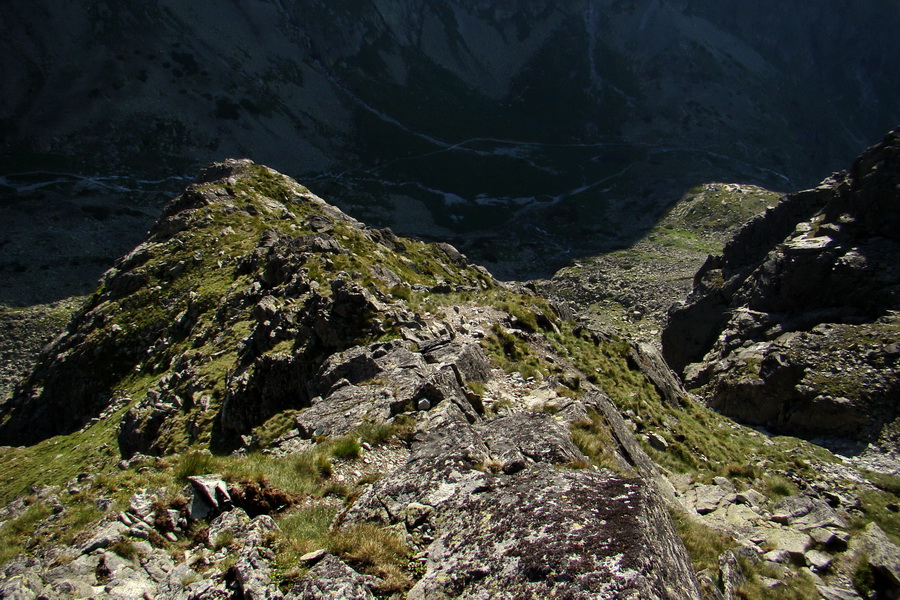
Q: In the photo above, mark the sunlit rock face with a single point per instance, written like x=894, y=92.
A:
x=794, y=327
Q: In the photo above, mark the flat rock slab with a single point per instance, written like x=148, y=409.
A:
x=549, y=532
x=794, y=543
x=818, y=561
x=802, y=512
x=106, y=536
x=835, y=593
x=707, y=498
x=884, y=555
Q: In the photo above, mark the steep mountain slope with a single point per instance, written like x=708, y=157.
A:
x=582, y=119
x=794, y=326
x=254, y=310
x=385, y=419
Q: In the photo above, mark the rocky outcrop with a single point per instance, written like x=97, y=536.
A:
x=493, y=507
x=120, y=565
x=502, y=508
x=374, y=383
x=794, y=326
x=332, y=578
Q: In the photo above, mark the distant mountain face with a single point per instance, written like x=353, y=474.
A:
x=525, y=131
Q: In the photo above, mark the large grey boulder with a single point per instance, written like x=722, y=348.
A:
x=883, y=557
x=332, y=578
x=806, y=513
x=375, y=383
x=546, y=532
x=253, y=575
x=209, y=496
x=106, y=535
x=835, y=593
x=540, y=439
x=20, y=578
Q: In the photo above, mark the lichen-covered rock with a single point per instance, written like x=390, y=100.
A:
x=537, y=438
x=105, y=536
x=20, y=579
x=546, y=532
x=806, y=513
x=332, y=578
x=375, y=383
x=253, y=575
x=499, y=515
x=883, y=557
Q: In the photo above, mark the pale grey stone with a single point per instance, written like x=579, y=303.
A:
x=794, y=543
x=751, y=497
x=836, y=593
x=817, y=560
x=331, y=578
x=209, y=496
x=314, y=556
x=107, y=535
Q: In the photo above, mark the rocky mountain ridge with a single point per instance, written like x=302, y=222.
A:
x=328, y=348
x=630, y=290
x=384, y=418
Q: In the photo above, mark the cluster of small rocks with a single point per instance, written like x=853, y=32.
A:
x=121, y=561
x=807, y=533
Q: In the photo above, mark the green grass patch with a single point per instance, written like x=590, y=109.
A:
x=776, y=487
x=881, y=507
x=374, y=550
x=14, y=534
x=59, y=459
x=594, y=438
x=191, y=464
x=275, y=427
x=345, y=448
x=704, y=545
x=369, y=548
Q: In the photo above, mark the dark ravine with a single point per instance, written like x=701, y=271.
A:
x=527, y=134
